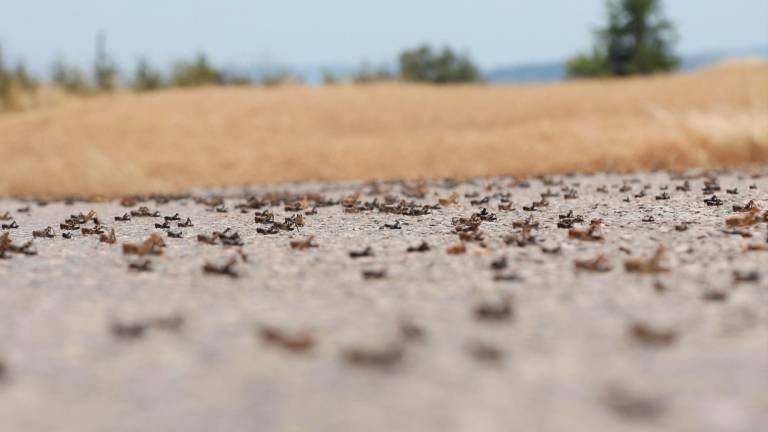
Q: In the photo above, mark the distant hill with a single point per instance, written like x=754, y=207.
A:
x=543, y=72
x=698, y=61
x=540, y=72
x=555, y=71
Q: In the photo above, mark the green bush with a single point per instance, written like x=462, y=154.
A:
x=369, y=74
x=146, y=78
x=105, y=77
x=104, y=69
x=232, y=78
x=23, y=79
x=637, y=39
x=197, y=72
x=5, y=83
x=592, y=65
x=279, y=77
x=68, y=77
x=329, y=78
x=16, y=85
x=422, y=64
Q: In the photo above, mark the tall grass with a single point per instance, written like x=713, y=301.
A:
x=711, y=137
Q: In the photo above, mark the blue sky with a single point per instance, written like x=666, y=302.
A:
x=330, y=32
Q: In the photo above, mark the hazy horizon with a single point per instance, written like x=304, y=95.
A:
x=344, y=32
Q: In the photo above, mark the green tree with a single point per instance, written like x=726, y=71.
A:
x=195, y=73
x=146, y=78
x=22, y=78
x=329, y=78
x=16, y=85
x=68, y=77
x=5, y=83
x=424, y=65
x=104, y=69
x=638, y=39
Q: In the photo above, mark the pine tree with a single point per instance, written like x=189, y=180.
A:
x=5, y=81
x=104, y=69
x=637, y=39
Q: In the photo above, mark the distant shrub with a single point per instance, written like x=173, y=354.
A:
x=146, y=78
x=329, y=78
x=68, y=77
x=23, y=79
x=16, y=85
x=368, y=74
x=592, y=65
x=104, y=69
x=232, y=78
x=5, y=83
x=197, y=72
x=422, y=64
x=279, y=77
x=105, y=77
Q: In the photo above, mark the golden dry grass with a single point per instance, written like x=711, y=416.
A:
x=177, y=139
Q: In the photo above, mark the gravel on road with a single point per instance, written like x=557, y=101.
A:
x=580, y=302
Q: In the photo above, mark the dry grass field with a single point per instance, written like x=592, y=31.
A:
x=177, y=139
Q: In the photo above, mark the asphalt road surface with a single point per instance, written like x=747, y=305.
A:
x=645, y=309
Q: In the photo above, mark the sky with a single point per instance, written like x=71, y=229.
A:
x=243, y=33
